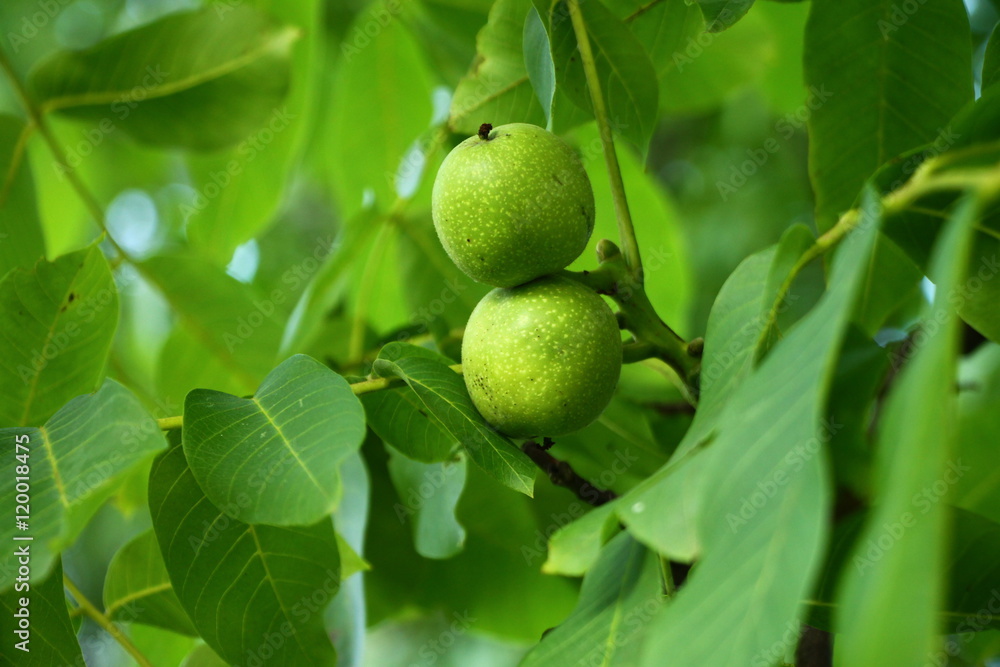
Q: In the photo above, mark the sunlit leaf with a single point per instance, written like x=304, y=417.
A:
x=497, y=90
x=762, y=525
x=443, y=393
x=275, y=458
x=627, y=78
x=149, y=82
x=57, y=320
x=278, y=569
x=77, y=460
x=383, y=104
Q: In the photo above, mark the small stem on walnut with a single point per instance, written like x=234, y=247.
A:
x=634, y=352
x=562, y=474
x=638, y=316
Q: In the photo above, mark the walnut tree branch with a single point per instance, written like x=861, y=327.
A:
x=562, y=474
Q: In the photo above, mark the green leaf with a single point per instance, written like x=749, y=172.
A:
x=538, y=60
x=575, y=548
x=376, y=279
x=619, y=596
x=275, y=458
x=978, y=420
x=443, y=393
x=224, y=321
x=882, y=81
x=203, y=656
x=52, y=637
x=428, y=495
x=663, y=510
x=628, y=80
x=893, y=279
x=137, y=588
x=979, y=291
x=21, y=241
x=383, y=102
x=350, y=561
x=239, y=191
x=222, y=568
x=77, y=461
x=153, y=85
x=495, y=580
x=497, y=90
x=446, y=30
x=899, y=592
x=58, y=320
x=763, y=526
x=618, y=450
x=398, y=417
x=697, y=70
x=991, y=60
x=971, y=571
x=722, y=14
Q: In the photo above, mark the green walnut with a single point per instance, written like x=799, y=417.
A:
x=511, y=204
x=543, y=358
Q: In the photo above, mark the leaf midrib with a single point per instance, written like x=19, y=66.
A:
x=278, y=40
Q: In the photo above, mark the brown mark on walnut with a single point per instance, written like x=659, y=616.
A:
x=484, y=131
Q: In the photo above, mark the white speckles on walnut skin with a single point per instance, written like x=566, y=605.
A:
x=542, y=358
x=514, y=206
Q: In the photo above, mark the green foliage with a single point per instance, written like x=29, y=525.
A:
x=204, y=100
x=445, y=397
x=618, y=597
x=628, y=80
x=137, y=588
x=53, y=638
x=19, y=228
x=236, y=425
x=295, y=431
x=279, y=569
x=890, y=85
x=77, y=461
x=59, y=319
x=916, y=441
x=498, y=86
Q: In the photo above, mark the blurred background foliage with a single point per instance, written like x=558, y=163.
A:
x=327, y=226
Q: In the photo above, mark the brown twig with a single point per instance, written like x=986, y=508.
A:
x=815, y=648
x=562, y=474
x=672, y=408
